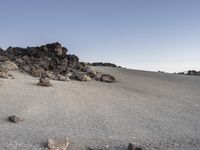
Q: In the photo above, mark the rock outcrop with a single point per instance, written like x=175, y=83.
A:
x=50, y=60
x=190, y=72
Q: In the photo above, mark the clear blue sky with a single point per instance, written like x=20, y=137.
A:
x=141, y=34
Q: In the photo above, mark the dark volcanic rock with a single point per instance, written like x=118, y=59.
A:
x=3, y=56
x=52, y=61
x=107, y=78
x=50, y=57
x=193, y=73
x=190, y=72
x=14, y=119
x=104, y=64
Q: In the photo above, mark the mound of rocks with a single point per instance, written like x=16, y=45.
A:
x=191, y=73
x=50, y=60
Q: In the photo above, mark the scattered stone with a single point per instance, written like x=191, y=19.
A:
x=81, y=76
x=11, y=76
x=134, y=147
x=44, y=81
x=99, y=148
x=90, y=72
x=50, y=74
x=58, y=144
x=60, y=77
x=4, y=75
x=14, y=119
x=107, y=78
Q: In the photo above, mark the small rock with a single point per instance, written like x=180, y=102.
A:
x=81, y=76
x=58, y=144
x=14, y=119
x=107, y=78
x=4, y=74
x=50, y=74
x=90, y=72
x=44, y=81
x=11, y=76
x=60, y=77
x=134, y=147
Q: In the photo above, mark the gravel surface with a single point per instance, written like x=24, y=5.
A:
x=159, y=111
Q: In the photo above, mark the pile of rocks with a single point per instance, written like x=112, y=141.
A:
x=52, y=61
x=191, y=73
x=5, y=67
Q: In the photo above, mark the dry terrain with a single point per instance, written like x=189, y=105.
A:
x=157, y=110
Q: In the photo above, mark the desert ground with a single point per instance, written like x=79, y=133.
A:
x=156, y=110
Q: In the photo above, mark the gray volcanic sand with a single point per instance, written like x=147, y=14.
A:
x=156, y=110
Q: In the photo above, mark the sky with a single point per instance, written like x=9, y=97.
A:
x=139, y=34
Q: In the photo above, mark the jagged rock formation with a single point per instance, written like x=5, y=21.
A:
x=50, y=60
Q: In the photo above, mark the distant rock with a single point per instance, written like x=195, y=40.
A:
x=107, y=78
x=190, y=72
x=104, y=64
x=193, y=73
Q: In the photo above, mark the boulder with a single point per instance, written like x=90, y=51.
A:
x=8, y=66
x=57, y=143
x=44, y=81
x=37, y=71
x=107, y=78
x=90, y=72
x=4, y=74
x=60, y=77
x=50, y=74
x=14, y=119
x=80, y=76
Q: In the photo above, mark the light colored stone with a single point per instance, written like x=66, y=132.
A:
x=58, y=143
x=8, y=66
